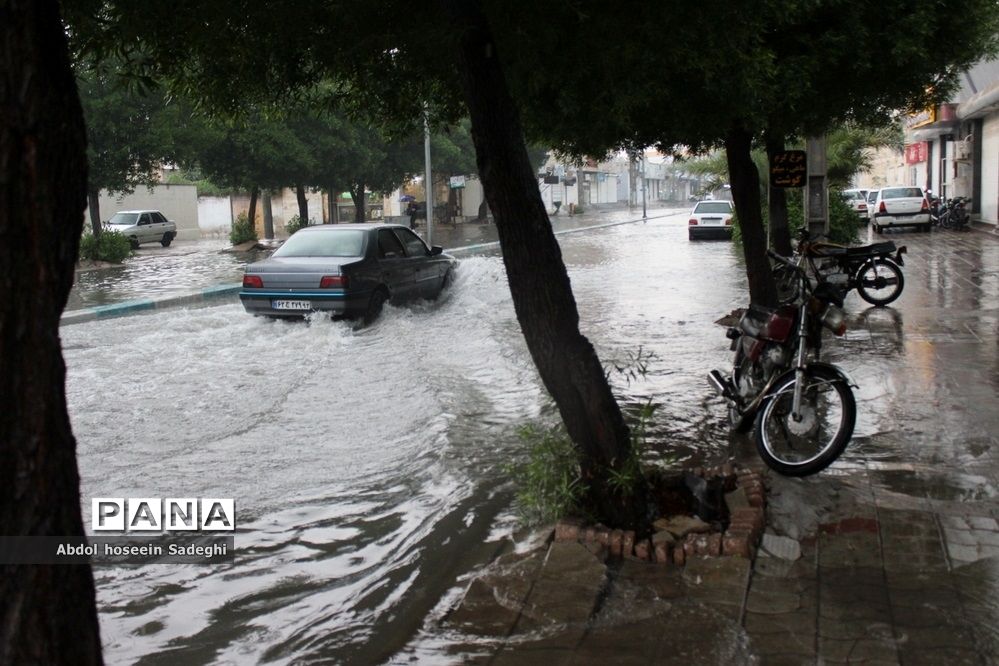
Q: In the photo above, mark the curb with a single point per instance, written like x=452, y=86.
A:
x=144, y=304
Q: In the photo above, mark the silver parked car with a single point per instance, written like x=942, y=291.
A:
x=345, y=269
x=143, y=226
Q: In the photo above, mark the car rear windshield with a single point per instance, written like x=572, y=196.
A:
x=856, y=194
x=124, y=218
x=325, y=243
x=713, y=207
x=901, y=192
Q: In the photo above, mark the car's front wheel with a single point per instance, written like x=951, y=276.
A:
x=134, y=242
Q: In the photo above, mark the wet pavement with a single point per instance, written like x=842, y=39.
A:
x=898, y=542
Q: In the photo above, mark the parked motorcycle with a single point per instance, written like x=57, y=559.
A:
x=953, y=214
x=804, y=409
x=875, y=271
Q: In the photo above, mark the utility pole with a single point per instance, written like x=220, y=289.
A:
x=644, y=208
x=429, y=183
x=816, y=188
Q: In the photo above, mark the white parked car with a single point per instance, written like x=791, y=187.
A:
x=710, y=219
x=857, y=199
x=900, y=206
x=143, y=226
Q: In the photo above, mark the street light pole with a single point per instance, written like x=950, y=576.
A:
x=428, y=184
x=644, y=210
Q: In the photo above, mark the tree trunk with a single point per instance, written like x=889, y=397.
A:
x=252, y=213
x=334, y=208
x=268, y=215
x=745, y=181
x=303, y=205
x=47, y=612
x=483, y=211
x=94, y=199
x=539, y=283
x=780, y=231
x=357, y=196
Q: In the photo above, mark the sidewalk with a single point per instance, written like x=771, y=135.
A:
x=897, y=545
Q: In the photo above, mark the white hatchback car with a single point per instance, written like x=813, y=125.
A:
x=711, y=219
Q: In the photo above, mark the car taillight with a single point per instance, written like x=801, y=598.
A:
x=728, y=221
x=926, y=205
x=253, y=281
x=881, y=208
x=862, y=207
x=332, y=281
x=692, y=222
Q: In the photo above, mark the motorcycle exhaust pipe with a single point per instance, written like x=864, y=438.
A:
x=720, y=384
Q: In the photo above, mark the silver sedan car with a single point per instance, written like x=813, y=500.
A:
x=346, y=270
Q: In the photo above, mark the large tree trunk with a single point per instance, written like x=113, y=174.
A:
x=94, y=199
x=47, y=612
x=780, y=231
x=539, y=283
x=357, y=195
x=303, y=204
x=745, y=181
x=252, y=213
x=268, y=215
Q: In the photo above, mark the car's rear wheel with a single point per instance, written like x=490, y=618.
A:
x=375, y=305
x=166, y=240
x=876, y=227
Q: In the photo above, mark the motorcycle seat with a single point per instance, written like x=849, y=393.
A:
x=874, y=249
x=887, y=247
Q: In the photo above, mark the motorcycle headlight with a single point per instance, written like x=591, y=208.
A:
x=834, y=319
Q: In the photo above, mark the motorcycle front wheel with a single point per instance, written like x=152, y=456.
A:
x=811, y=442
x=880, y=281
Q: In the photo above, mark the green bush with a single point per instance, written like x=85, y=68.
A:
x=294, y=224
x=110, y=246
x=548, y=483
x=242, y=230
x=843, y=221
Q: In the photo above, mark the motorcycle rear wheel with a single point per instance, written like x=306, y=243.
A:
x=828, y=415
x=880, y=281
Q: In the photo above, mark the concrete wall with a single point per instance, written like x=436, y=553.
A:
x=214, y=216
x=178, y=202
x=990, y=169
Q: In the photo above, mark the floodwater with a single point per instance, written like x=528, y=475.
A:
x=368, y=467
x=157, y=271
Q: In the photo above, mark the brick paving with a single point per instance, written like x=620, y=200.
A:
x=899, y=540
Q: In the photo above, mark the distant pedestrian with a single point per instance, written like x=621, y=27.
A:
x=412, y=210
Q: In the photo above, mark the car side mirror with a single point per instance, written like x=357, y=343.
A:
x=435, y=250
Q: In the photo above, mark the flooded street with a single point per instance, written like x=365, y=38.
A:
x=368, y=467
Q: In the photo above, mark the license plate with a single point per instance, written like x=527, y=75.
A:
x=291, y=305
x=711, y=220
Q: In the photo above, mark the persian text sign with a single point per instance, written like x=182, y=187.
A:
x=788, y=169
x=915, y=153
